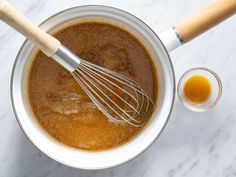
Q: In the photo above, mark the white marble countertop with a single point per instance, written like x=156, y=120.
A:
x=193, y=144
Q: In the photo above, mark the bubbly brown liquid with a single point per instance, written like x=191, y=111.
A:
x=197, y=89
x=60, y=105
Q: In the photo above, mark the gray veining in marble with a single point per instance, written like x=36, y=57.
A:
x=193, y=144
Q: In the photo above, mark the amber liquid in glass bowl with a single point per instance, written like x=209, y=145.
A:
x=197, y=89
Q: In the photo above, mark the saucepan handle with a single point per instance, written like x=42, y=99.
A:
x=206, y=18
x=48, y=44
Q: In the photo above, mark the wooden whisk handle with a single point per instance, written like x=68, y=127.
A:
x=48, y=44
x=211, y=15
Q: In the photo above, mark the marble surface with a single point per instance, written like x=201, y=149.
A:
x=193, y=144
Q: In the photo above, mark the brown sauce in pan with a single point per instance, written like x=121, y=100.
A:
x=60, y=105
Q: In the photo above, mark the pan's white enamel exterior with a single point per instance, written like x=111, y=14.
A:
x=171, y=39
x=117, y=156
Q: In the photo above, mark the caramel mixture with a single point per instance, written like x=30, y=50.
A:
x=60, y=105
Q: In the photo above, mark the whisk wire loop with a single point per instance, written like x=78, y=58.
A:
x=120, y=98
x=105, y=95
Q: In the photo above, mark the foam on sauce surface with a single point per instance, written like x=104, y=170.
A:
x=61, y=106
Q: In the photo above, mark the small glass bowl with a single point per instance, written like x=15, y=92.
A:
x=216, y=89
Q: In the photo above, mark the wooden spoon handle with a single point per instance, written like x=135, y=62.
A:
x=211, y=15
x=48, y=44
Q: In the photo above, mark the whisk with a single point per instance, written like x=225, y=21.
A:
x=120, y=98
